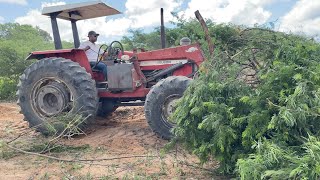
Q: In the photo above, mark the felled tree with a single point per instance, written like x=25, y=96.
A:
x=261, y=86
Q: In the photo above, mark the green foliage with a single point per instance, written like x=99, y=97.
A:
x=274, y=161
x=16, y=42
x=7, y=88
x=5, y=152
x=151, y=41
x=56, y=148
x=24, y=38
x=223, y=114
x=66, y=125
x=11, y=64
x=138, y=39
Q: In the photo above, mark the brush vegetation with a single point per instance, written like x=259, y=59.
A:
x=255, y=105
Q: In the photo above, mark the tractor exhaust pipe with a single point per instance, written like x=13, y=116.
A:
x=163, y=36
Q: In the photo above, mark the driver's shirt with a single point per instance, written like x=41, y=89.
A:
x=91, y=53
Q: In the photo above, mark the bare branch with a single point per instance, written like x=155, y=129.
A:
x=74, y=160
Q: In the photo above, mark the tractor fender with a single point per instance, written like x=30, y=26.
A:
x=76, y=55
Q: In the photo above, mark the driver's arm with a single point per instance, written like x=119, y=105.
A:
x=84, y=46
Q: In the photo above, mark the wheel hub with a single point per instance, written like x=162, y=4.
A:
x=169, y=107
x=52, y=99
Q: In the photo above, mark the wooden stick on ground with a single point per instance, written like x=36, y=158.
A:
x=74, y=160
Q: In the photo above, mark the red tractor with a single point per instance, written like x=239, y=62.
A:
x=62, y=81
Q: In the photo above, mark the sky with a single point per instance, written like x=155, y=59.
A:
x=290, y=16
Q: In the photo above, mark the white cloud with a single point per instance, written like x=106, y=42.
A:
x=20, y=2
x=1, y=19
x=46, y=4
x=144, y=13
x=106, y=29
x=247, y=12
x=304, y=18
x=35, y=18
x=135, y=16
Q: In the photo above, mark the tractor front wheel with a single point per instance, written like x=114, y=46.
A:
x=51, y=89
x=160, y=104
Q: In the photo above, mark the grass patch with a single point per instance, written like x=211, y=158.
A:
x=58, y=148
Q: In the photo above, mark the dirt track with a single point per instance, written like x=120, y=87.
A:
x=124, y=133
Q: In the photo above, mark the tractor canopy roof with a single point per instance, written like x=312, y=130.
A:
x=80, y=11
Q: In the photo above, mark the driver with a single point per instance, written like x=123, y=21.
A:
x=92, y=52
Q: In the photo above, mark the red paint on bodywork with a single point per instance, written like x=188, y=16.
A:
x=192, y=53
x=76, y=55
x=185, y=71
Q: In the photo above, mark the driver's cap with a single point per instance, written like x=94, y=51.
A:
x=93, y=33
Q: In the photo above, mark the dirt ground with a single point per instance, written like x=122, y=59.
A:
x=122, y=135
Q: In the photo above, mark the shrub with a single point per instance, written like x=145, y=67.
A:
x=7, y=88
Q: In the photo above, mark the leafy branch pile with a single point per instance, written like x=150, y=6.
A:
x=255, y=106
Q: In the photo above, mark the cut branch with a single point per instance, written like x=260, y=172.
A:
x=74, y=160
x=206, y=31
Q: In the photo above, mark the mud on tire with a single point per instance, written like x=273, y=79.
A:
x=54, y=86
x=160, y=101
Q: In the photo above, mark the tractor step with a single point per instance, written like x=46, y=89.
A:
x=103, y=85
x=131, y=103
x=102, y=82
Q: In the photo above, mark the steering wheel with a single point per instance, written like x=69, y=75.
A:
x=99, y=58
x=113, y=51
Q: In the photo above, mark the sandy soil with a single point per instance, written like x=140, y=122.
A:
x=124, y=133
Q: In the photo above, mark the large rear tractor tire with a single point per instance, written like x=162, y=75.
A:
x=52, y=89
x=160, y=104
